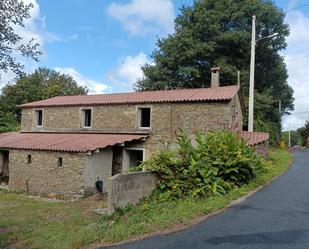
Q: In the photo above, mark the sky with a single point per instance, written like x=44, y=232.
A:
x=102, y=44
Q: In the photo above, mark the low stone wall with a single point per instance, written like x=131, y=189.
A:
x=262, y=149
x=129, y=188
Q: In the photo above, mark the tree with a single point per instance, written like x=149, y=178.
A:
x=42, y=84
x=13, y=13
x=304, y=132
x=218, y=33
x=296, y=138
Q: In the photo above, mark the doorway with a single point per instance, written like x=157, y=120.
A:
x=4, y=167
x=136, y=157
x=117, y=160
x=133, y=157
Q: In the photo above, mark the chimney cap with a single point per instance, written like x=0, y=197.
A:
x=215, y=69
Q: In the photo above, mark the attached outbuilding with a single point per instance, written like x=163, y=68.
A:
x=65, y=165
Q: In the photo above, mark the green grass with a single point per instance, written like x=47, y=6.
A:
x=153, y=216
x=32, y=223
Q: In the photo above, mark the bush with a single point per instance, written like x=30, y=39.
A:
x=216, y=163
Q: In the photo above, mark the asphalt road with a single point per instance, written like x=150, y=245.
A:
x=275, y=217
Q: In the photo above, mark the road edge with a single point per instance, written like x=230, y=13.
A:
x=188, y=224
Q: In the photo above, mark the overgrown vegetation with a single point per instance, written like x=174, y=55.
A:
x=156, y=214
x=216, y=163
x=296, y=138
x=29, y=223
x=304, y=133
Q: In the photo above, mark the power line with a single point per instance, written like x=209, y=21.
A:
x=304, y=112
x=298, y=58
x=301, y=6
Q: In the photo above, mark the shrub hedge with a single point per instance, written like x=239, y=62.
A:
x=213, y=163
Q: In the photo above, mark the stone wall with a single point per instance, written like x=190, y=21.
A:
x=26, y=119
x=4, y=166
x=124, y=117
x=129, y=188
x=236, y=113
x=43, y=176
x=166, y=119
x=1, y=162
x=262, y=149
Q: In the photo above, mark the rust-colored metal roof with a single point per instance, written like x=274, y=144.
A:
x=253, y=138
x=178, y=95
x=63, y=141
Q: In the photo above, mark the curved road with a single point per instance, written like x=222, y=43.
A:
x=277, y=217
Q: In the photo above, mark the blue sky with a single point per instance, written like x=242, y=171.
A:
x=103, y=43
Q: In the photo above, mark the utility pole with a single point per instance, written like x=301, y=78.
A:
x=289, y=135
x=251, y=86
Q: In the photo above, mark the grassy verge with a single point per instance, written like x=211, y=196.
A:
x=154, y=216
x=33, y=223
x=30, y=223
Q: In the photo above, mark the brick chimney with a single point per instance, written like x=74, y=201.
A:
x=215, y=76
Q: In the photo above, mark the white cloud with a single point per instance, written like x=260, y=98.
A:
x=140, y=17
x=128, y=71
x=92, y=85
x=35, y=27
x=297, y=65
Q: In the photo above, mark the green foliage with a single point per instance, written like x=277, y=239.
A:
x=42, y=84
x=8, y=122
x=304, y=132
x=216, y=163
x=217, y=33
x=67, y=224
x=13, y=14
x=153, y=214
x=296, y=138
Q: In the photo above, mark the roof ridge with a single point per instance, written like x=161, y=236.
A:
x=146, y=91
x=222, y=93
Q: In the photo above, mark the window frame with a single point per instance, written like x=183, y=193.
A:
x=83, y=117
x=36, y=117
x=139, y=117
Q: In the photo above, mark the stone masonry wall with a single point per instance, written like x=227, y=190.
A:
x=191, y=117
x=26, y=119
x=43, y=176
x=166, y=119
x=236, y=114
x=129, y=188
x=262, y=149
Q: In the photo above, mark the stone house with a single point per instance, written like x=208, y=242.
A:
x=67, y=143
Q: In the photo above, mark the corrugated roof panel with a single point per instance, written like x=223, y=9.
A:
x=253, y=138
x=65, y=142
x=178, y=95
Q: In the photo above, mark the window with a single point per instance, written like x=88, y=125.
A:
x=135, y=157
x=59, y=161
x=144, y=117
x=29, y=159
x=86, y=118
x=39, y=117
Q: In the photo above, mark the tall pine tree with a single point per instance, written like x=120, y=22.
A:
x=218, y=33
